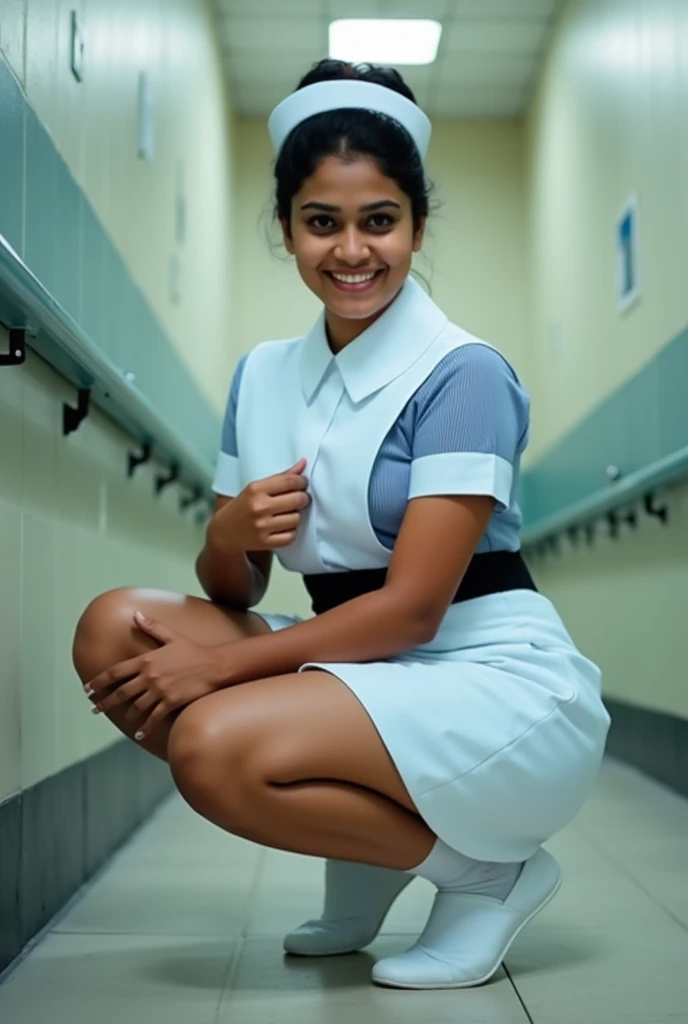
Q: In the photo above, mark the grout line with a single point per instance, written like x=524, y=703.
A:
x=620, y=866
x=238, y=950
x=518, y=994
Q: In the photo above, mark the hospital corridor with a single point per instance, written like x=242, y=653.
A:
x=343, y=511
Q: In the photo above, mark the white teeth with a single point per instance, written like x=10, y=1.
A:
x=354, y=278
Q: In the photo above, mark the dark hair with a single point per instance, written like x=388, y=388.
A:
x=350, y=134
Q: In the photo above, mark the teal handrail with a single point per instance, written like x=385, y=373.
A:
x=670, y=471
x=26, y=304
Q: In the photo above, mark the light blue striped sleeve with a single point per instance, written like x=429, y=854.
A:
x=471, y=425
x=227, y=479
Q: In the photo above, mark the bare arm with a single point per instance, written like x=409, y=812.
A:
x=229, y=575
x=436, y=542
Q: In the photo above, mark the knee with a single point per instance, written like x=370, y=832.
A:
x=104, y=627
x=211, y=762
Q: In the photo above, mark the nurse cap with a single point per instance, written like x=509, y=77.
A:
x=346, y=94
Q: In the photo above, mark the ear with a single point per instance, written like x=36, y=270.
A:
x=419, y=234
x=286, y=235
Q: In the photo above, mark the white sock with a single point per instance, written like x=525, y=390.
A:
x=358, y=890
x=451, y=871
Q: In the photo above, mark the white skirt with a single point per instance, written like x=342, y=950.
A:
x=496, y=726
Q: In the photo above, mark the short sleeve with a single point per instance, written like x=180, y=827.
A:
x=226, y=480
x=470, y=427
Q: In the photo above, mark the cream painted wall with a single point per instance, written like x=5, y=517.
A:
x=71, y=524
x=607, y=121
x=94, y=126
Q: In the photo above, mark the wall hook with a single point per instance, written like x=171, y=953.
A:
x=590, y=534
x=187, y=500
x=161, y=482
x=661, y=512
x=134, y=460
x=16, y=354
x=573, y=535
x=73, y=418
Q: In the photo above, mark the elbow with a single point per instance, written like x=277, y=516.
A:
x=421, y=625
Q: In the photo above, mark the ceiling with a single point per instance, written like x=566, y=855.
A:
x=489, y=53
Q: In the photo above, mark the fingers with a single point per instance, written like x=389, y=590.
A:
x=122, y=695
x=163, y=634
x=157, y=715
x=141, y=707
x=283, y=504
x=112, y=676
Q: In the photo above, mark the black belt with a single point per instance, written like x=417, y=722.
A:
x=491, y=573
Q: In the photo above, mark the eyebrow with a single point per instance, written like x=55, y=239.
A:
x=328, y=208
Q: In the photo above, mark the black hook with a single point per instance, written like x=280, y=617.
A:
x=161, y=482
x=186, y=501
x=661, y=512
x=573, y=535
x=73, y=418
x=590, y=533
x=16, y=354
x=134, y=460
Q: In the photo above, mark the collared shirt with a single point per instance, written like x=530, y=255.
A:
x=463, y=431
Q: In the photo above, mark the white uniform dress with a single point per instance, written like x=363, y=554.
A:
x=496, y=726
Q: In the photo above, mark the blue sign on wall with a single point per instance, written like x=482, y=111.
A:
x=627, y=256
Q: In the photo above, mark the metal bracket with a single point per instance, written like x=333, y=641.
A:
x=134, y=460
x=187, y=500
x=16, y=354
x=73, y=418
x=161, y=482
x=661, y=512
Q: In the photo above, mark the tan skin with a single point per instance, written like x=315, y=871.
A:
x=286, y=759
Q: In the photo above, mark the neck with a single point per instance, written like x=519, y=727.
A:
x=341, y=332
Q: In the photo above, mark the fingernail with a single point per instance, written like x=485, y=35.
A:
x=88, y=691
x=95, y=711
x=138, y=736
x=140, y=616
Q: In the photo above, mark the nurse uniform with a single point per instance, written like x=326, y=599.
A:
x=496, y=725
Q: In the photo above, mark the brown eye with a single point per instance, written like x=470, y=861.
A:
x=313, y=222
x=383, y=220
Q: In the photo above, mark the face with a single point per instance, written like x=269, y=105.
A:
x=353, y=238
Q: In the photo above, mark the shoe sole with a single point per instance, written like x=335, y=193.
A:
x=343, y=951
x=493, y=970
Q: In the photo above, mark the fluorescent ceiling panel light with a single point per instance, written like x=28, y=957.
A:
x=385, y=40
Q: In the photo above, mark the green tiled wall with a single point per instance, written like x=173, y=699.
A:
x=48, y=220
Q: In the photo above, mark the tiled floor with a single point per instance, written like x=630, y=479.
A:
x=185, y=926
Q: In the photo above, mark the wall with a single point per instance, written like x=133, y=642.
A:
x=606, y=122
x=71, y=523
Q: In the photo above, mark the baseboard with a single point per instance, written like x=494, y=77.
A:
x=654, y=741
x=55, y=835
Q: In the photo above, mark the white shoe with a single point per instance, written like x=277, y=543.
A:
x=467, y=936
x=358, y=898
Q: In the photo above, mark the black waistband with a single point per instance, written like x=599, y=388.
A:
x=491, y=573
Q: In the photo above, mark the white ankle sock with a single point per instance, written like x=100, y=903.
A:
x=451, y=871
x=358, y=890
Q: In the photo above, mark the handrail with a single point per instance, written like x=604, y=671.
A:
x=26, y=304
x=670, y=471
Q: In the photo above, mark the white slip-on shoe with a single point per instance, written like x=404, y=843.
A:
x=358, y=899
x=467, y=936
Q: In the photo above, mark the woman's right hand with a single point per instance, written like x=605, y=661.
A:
x=266, y=514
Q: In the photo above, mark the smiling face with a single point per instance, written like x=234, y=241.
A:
x=353, y=237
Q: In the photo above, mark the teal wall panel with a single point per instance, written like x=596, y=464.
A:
x=67, y=238
x=643, y=421
x=40, y=250
x=11, y=158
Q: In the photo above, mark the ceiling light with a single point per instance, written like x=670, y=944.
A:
x=385, y=40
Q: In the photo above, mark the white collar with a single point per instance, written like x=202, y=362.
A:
x=382, y=352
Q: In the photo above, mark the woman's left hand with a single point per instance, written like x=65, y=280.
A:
x=158, y=682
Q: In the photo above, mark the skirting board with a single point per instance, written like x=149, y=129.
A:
x=653, y=741
x=55, y=835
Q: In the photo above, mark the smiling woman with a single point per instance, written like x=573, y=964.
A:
x=434, y=717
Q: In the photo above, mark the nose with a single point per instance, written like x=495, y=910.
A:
x=351, y=247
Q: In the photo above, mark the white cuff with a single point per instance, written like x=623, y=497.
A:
x=462, y=473
x=226, y=480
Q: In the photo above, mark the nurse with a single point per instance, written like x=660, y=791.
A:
x=433, y=718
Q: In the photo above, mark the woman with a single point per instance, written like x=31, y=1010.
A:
x=433, y=718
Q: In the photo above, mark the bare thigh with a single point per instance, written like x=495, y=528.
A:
x=284, y=731
x=106, y=634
